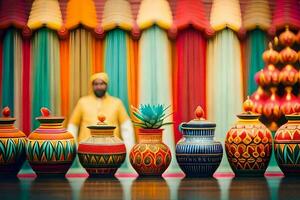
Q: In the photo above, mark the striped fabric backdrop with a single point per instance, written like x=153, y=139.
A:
x=179, y=55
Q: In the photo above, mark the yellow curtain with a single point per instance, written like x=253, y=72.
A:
x=224, y=84
x=54, y=64
x=18, y=78
x=80, y=64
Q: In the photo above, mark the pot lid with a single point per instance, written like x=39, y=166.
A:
x=47, y=118
x=199, y=121
x=295, y=115
x=6, y=118
x=101, y=124
x=248, y=110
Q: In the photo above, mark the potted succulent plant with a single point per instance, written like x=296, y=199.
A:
x=150, y=156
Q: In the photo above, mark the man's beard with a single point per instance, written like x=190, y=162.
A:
x=99, y=93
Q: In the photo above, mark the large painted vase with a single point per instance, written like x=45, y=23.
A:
x=248, y=144
x=197, y=154
x=12, y=145
x=103, y=153
x=287, y=145
x=150, y=157
x=51, y=149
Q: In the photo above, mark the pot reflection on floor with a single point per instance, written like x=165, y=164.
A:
x=204, y=188
x=249, y=188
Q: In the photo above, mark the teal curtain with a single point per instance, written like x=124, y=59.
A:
x=155, y=72
x=155, y=79
x=256, y=45
x=41, y=74
x=116, y=64
x=8, y=70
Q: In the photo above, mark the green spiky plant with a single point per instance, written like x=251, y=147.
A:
x=150, y=116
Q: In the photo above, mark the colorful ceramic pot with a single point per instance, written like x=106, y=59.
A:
x=248, y=144
x=150, y=157
x=197, y=154
x=287, y=145
x=12, y=145
x=103, y=153
x=51, y=149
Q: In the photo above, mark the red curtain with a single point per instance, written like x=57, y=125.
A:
x=26, y=87
x=189, y=76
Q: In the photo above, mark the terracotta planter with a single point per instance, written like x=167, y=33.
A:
x=287, y=145
x=12, y=146
x=197, y=154
x=103, y=153
x=150, y=157
x=51, y=148
x=248, y=144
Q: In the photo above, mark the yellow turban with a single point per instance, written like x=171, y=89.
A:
x=103, y=76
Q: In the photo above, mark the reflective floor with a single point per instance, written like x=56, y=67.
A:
x=276, y=187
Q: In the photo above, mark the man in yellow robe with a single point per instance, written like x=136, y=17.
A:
x=100, y=102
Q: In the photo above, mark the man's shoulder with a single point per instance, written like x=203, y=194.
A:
x=113, y=99
x=86, y=98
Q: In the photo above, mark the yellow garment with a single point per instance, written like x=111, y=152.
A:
x=89, y=107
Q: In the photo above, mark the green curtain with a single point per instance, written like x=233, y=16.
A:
x=155, y=78
x=41, y=74
x=116, y=64
x=224, y=85
x=8, y=70
x=256, y=45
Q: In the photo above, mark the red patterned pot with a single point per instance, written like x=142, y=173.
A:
x=248, y=144
x=12, y=145
x=51, y=148
x=150, y=157
x=103, y=153
x=287, y=145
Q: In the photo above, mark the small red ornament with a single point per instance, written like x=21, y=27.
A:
x=248, y=105
x=6, y=112
x=45, y=112
x=199, y=113
x=101, y=118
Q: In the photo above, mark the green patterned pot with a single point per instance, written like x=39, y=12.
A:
x=12, y=146
x=287, y=146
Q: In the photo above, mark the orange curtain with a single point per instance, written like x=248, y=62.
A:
x=65, y=77
x=97, y=65
x=132, y=71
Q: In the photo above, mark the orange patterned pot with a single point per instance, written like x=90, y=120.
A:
x=51, y=148
x=150, y=157
x=12, y=145
x=248, y=144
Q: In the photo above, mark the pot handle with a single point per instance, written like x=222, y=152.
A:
x=180, y=126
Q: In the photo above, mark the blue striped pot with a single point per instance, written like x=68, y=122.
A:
x=197, y=154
